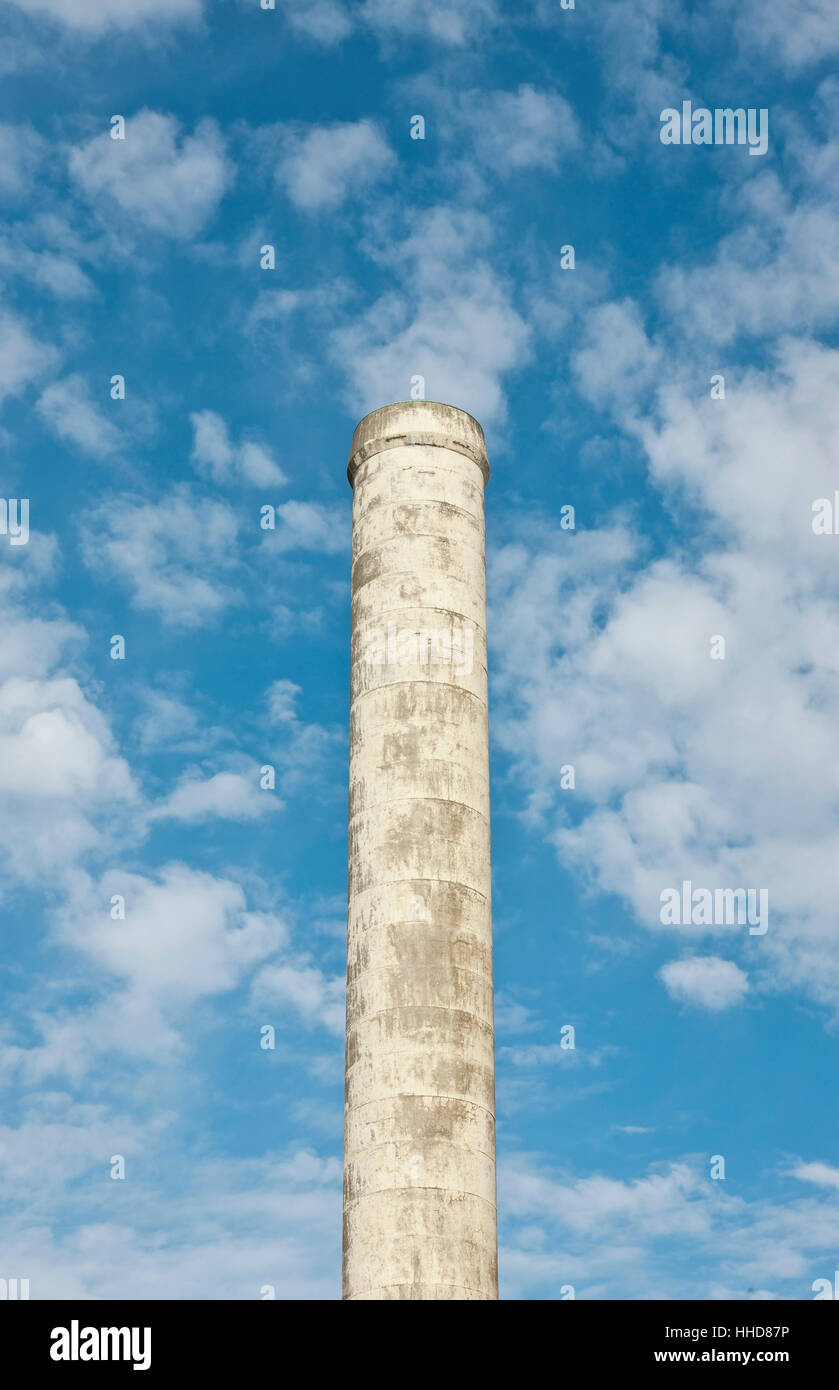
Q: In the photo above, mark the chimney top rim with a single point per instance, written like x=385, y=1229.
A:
x=468, y=439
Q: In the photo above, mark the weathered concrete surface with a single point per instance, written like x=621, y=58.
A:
x=419, y=1153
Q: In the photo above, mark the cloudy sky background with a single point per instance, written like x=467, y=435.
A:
x=140, y=778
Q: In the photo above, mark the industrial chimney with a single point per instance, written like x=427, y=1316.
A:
x=419, y=1146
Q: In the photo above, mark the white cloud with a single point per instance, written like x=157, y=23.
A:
x=309, y=526
x=452, y=322
x=43, y=751
x=257, y=466
x=167, y=721
x=95, y=17
x=65, y=789
x=791, y=282
x=819, y=1173
x=604, y=654
x=324, y=21
x=513, y=1017
x=309, y=755
x=68, y=410
x=49, y=269
x=233, y=1226
x=171, y=554
x=720, y=458
x=274, y=307
x=790, y=34
x=524, y=129
x=662, y=1203
x=317, y=999
x=615, y=361
x=217, y=457
x=539, y=1055
x=303, y=753
x=610, y=671
x=23, y=358
x=211, y=447
x=59, y=774
x=325, y=165
x=638, y=73
x=606, y=1236
x=444, y=21
x=281, y=697
x=62, y=1142
x=169, y=182
x=226, y=796
x=21, y=152
x=706, y=981
x=186, y=934
x=20, y=568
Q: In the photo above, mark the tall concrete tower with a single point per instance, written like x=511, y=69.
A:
x=419, y=1149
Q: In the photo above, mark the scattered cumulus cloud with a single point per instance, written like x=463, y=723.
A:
x=524, y=129
x=606, y=1235
x=451, y=321
x=791, y=36
x=822, y=1174
x=706, y=981
x=282, y=697
x=21, y=152
x=225, y=796
x=324, y=166
x=175, y=556
x=61, y=774
x=159, y=177
x=70, y=413
x=454, y=22
x=92, y=18
x=216, y=456
x=317, y=999
x=23, y=358
x=308, y=526
x=323, y=21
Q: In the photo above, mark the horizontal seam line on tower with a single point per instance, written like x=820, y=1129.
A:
x=440, y=685
x=390, y=443
x=351, y=1155
x=423, y=535
x=421, y=680
x=397, y=765
x=443, y=940
x=403, y=535
x=419, y=878
x=444, y=800
x=417, y=502
x=441, y=1008
x=438, y=1008
x=474, y=945
x=360, y=620
x=360, y=664
x=369, y=806
x=415, y=569
x=424, y=1235
x=421, y=1284
x=427, y=608
x=406, y=439
x=404, y=763
x=422, y=1095
x=377, y=969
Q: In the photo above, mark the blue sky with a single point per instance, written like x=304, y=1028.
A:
x=139, y=779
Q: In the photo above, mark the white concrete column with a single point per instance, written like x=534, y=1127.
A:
x=419, y=1153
